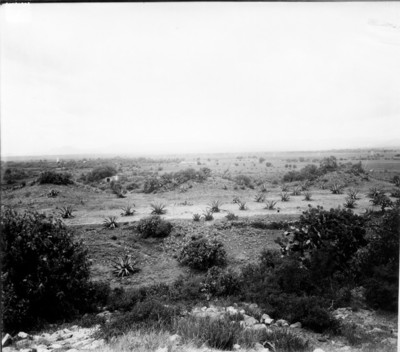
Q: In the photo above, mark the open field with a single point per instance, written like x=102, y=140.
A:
x=239, y=186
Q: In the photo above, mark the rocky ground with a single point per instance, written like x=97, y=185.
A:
x=368, y=331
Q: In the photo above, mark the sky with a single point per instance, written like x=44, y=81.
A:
x=140, y=78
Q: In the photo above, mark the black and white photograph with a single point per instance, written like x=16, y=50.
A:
x=200, y=176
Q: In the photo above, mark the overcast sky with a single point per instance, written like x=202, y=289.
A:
x=199, y=77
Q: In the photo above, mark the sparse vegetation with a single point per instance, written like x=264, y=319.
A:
x=308, y=196
x=285, y=197
x=158, y=209
x=270, y=204
x=336, y=188
x=124, y=266
x=128, y=210
x=196, y=217
x=51, y=177
x=353, y=194
x=66, y=212
x=242, y=205
x=350, y=203
x=215, y=206
x=259, y=198
x=208, y=215
x=296, y=191
x=110, y=222
x=231, y=216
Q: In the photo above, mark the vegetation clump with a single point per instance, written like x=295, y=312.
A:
x=202, y=254
x=100, y=173
x=154, y=226
x=39, y=284
x=51, y=177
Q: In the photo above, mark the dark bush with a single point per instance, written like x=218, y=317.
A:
x=154, y=226
x=220, y=282
x=11, y=175
x=101, y=172
x=202, y=254
x=45, y=273
x=50, y=177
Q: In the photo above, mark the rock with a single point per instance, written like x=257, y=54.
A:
x=282, y=323
x=259, y=327
x=7, y=340
x=54, y=346
x=28, y=350
x=104, y=314
x=318, y=350
x=248, y=321
x=22, y=335
x=236, y=347
x=266, y=319
x=345, y=348
x=296, y=325
x=258, y=346
x=162, y=349
x=8, y=349
x=390, y=340
x=175, y=339
x=253, y=306
x=232, y=310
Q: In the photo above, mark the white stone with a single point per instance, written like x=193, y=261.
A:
x=7, y=339
x=259, y=327
x=162, y=349
x=232, y=310
x=236, y=347
x=55, y=346
x=318, y=350
x=175, y=339
x=282, y=323
x=22, y=335
x=296, y=325
x=266, y=319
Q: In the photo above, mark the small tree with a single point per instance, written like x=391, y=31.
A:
x=45, y=272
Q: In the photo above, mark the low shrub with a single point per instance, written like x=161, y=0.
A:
x=202, y=254
x=100, y=173
x=154, y=226
x=208, y=215
x=220, y=282
x=50, y=177
x=231, y=216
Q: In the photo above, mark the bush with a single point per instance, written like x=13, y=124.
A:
x=45, y=273
x=50, y=177
x=154, y=226
x=100, y=173
x=220, y=282
x=202, y=254
x=13, y=174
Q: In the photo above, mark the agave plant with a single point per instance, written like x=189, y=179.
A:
x=270, y=204
x=158, y=209
x=259, y=198
x=350, y=203
x=196, y=217
x=236, y=200
x=66, y=212
x=395, y=193
x=215, y=206
x=296, y=191
x=110, y=222
x=285, y=197
x=353, y=194
x=285, y=188
x=231, y=216
x=264, y=188
x=208, y=215
x=307, y=196
x=305, y=185
x=128, y=210
x=336, y=188
x=124, y=266
x=242, y=206
x=375, y=192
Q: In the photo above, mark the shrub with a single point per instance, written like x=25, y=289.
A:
x=285, y=197
x=110, y=222
x=117, y=188
x=231, y=216
x=243, y=180
x=242, y=206
x=208, y=215
x=50, y=177
x=270, y=204
x=285, y=188
x=396, y=180
x=220, y=282
x=100, y=173
x=336, y=188
x=353, y=194
x=202, y=254
x=259, y=198
x=66, y=212
x=296, y=191
x=215, y=206
x=196, y=217
x=128, y=210
x=11, y=175
x=154, y=226
x=38, y=282
x=158, y=209
x=53, y=193
x=350, y=203
x=307, y=196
